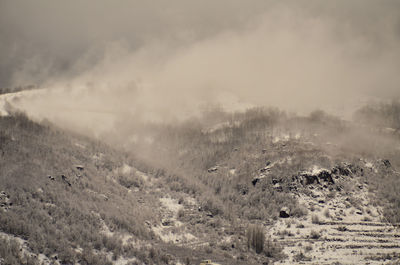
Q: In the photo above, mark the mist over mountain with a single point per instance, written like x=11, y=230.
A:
x=165, y=60
x=199, y=132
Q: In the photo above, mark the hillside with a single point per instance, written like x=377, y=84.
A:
x=67, y=199
x=255, y=164
x=62, y=192
x=202, y=189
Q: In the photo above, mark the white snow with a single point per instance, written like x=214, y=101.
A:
x=171, y=204
x=316, y=170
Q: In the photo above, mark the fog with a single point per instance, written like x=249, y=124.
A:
x=167, y=60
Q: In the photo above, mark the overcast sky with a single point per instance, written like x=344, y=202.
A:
x=168, y=56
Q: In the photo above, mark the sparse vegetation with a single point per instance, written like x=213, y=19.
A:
x=61, y=216
x=10, y=253
x=237, y=173
x=301, y=257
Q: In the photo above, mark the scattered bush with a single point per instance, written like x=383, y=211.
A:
x=327, y=213
x=255, y=238
x=342, y=228
x=314, y=234
x=315, y=219
x=301, y=257
x=273, y=250
x=129, y=181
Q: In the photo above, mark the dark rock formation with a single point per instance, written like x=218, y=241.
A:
x=326, y=176
x=308, y=179
x=284, y=212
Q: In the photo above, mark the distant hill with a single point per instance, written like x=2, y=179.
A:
x=6, y=90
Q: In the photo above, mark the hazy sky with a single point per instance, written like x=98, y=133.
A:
x=168, y=57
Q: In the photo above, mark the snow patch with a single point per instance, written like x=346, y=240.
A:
x=169, y=236
x=316, y=170
x=80, y=145
x=171, y=204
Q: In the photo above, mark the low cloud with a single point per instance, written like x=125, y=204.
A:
x=298, y=56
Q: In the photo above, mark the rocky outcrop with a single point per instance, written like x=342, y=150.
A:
x=326, y=176
x=322, y=177
x=386, y=163
x=308, y=178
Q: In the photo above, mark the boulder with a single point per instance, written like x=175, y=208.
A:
x=284, y=212
x=212, y=169
x=275, y=181
x=278, y=187
x=167, y=222
x=255, y=180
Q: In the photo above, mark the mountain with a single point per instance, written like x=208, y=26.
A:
x=256, y=187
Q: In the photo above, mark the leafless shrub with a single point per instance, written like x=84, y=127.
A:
x=255, y=238
x=315, y=219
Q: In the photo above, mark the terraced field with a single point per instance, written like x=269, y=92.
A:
x=336, y=232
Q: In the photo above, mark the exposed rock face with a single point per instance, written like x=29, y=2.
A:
x=323, y=177
x=326, y=176
x=308, y=179
x=341, y=170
